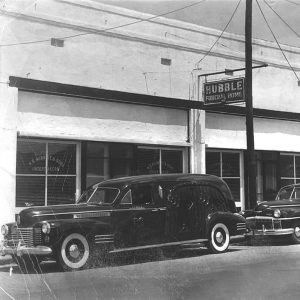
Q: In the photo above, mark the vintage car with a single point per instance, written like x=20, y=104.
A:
x=127, y=214
x=278, y=217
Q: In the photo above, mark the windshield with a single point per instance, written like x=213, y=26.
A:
x=85, y=196
x=289, y=193
x=101, y=195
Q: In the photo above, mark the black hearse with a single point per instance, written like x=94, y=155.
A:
x=127, y=214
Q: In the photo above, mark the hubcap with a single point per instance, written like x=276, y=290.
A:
x=219, y=237
x=297, y=231
x=74, y=251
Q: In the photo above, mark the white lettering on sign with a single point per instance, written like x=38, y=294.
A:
x=224, y=91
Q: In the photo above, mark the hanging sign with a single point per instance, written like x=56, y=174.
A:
x=224, y=92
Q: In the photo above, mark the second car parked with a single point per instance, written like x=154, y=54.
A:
x=278, y=217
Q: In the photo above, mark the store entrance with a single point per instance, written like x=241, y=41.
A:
x=268, y=175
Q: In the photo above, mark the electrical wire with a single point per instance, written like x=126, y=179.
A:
x=276, y=40
x=107, y=29
x=295, y=3
x=298, y=35
x=197, y=64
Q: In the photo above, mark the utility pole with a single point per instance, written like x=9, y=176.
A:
x=251, y=162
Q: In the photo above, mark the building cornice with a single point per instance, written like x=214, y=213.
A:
x=144, y=38
x=174, y=23
x=68, y=90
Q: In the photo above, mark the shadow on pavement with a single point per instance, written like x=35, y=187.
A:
x=120, y=259
x=266, y=241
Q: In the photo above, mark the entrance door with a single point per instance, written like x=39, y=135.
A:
x=270, y=175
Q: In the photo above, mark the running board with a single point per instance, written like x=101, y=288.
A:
x=159, y=245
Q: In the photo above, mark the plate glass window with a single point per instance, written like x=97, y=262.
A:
x=46, y=173
x=227, y=166
x=289, y=169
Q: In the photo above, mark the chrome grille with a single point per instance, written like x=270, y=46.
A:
x=26, y=236
x=264, y=224
x=267, y=224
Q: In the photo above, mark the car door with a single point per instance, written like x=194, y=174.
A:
x=186, y=211
x=148, y=216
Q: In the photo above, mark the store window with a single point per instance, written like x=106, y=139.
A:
x=102, y=161
x=107, y=160
x=289, y=169
x=227, y=166
x=46, y=173
x=159, y=161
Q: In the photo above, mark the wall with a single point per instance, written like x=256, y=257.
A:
x=129, y=58
x=8, y=125
x=82, y=119
x=226, y=131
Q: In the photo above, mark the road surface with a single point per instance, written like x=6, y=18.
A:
x=245, y=272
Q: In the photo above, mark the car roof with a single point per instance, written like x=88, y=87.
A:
x=290, y=186
x=124, y=181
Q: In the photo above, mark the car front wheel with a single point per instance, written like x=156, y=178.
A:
x=296, y=235
x=219, y=238
x=74, y=252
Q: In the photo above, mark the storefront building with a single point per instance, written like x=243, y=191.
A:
x=97, y=103
x=67, y=141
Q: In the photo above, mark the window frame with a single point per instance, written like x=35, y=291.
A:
x=160, y=149
x=239, y=204
x=294, y=178
x=77, y=174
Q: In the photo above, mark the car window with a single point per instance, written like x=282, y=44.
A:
x=142, y=195
x=183, y=197
x=213, y=198
x=104, y=196
x=127, y=199
x=163, y=192
x=296, y=193
x=285, y=193
x=85, y=196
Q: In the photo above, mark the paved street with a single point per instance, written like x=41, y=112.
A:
x=245, y=272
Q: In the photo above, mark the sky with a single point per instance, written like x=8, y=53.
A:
x=216, y=14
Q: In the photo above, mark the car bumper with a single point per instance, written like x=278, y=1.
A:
x=257, y=232
x=24, y=250
x=257, y=226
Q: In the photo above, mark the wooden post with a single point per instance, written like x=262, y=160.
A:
x=251, y=162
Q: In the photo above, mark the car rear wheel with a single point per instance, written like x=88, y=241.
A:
x=219, y=238
x=74, y=252
x=296, y=235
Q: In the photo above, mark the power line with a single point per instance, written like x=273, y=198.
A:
x=107, y=29
x=277, y=40
x=295, y=3
x=282, y=19
x=197, y=64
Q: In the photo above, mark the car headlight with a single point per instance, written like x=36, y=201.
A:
x=46, y=228
x=4, y=230
x=277, y=213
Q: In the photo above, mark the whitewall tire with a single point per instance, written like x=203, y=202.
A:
x=74, y=252
x=219, y=238
x=296, y=235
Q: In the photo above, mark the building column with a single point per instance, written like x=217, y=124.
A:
x=197, y=136
x=8, y=151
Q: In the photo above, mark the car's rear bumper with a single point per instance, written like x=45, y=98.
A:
x=261, y=225
x=20, y=250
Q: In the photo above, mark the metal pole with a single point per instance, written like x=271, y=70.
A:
x=251, y=162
